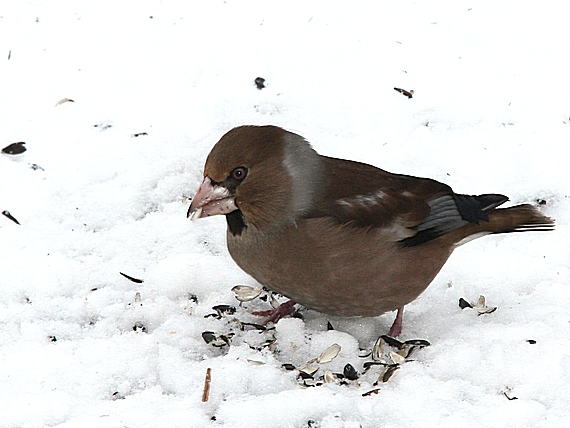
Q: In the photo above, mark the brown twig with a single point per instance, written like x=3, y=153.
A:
x=207, y=381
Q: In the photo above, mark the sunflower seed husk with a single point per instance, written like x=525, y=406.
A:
x=310, y=370
x=307, y=364
x=255, y=362
x=373, y=391
x=394, y=343
x=378, y=349
x=329, y=354
x=245, y=293
x=398, y=359
x=387, y=374
x=329, y=377
x=350, y=372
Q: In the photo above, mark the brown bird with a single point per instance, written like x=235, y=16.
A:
x=338, y=236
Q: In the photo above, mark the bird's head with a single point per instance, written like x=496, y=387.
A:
x=259, y=175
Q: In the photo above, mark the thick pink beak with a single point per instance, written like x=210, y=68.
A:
x=211, y=200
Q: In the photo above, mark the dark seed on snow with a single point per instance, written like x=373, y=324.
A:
x=130, y=278
x=369, y=364
x=10, y=216
x=329, y=326
x=390, y=370
x=52, y=338
x=394, y=343
x=260, y=83
x=253, y=326
x=304, y=375
x=464, y=303
x=350, y=372
x=208, y=336
x=14, y=148
x=417, y=342
x=139, y=326
x=531, y=341
x=373, y=391
x=224, y=309
x=288, y=366
x=408, y=94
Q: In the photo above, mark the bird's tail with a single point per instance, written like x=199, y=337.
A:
x=520, y=218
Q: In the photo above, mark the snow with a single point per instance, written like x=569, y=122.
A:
x=83, y=346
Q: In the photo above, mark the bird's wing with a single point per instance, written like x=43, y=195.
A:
x=417, y=209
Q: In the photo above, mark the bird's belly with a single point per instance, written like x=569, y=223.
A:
x=364, y=275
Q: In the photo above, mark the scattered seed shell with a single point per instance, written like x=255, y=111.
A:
x=373, y=391
x=329, y=354
x=245, y=293
x=259, y=82
x=369, y=364
x=398, y=359
x=394, y=343
x=288, y=366
x=253, y=326
x=510, y=398
x=130, y=278
x=388, y=373
x=63, y=101
x=417, y=342
x=350, y=372
x=304, y=375
x=408, y=94
x=10, y=216
x=464, y=303
x=117, y=396
x=378, y=349
x=273, y=301
x=208, y=336
x=329, y=377
x=139, y=327
x=14, y=148
x=255, y=362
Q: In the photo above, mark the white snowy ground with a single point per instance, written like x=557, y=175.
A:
x=490, y=113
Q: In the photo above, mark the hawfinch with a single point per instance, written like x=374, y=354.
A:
x=337, y=236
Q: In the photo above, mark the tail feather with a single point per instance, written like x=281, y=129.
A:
x=520, y=218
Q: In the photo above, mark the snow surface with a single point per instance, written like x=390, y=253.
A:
x=80, y=348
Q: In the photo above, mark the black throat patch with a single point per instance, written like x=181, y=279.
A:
x=236, y=223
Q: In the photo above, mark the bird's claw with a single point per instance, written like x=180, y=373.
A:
x=276, y=314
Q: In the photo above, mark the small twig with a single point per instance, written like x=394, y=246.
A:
x=207, y=381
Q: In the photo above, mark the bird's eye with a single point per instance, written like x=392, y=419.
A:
x=239, y=173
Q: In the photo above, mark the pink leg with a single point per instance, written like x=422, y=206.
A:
x=276, y=314
x=396, y=328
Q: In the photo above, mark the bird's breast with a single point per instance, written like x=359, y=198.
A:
x=339, y=270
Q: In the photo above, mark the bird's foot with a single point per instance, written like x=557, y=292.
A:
x=396, y=328
x=276, y=314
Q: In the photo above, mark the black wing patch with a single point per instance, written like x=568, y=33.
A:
x=450, y=212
